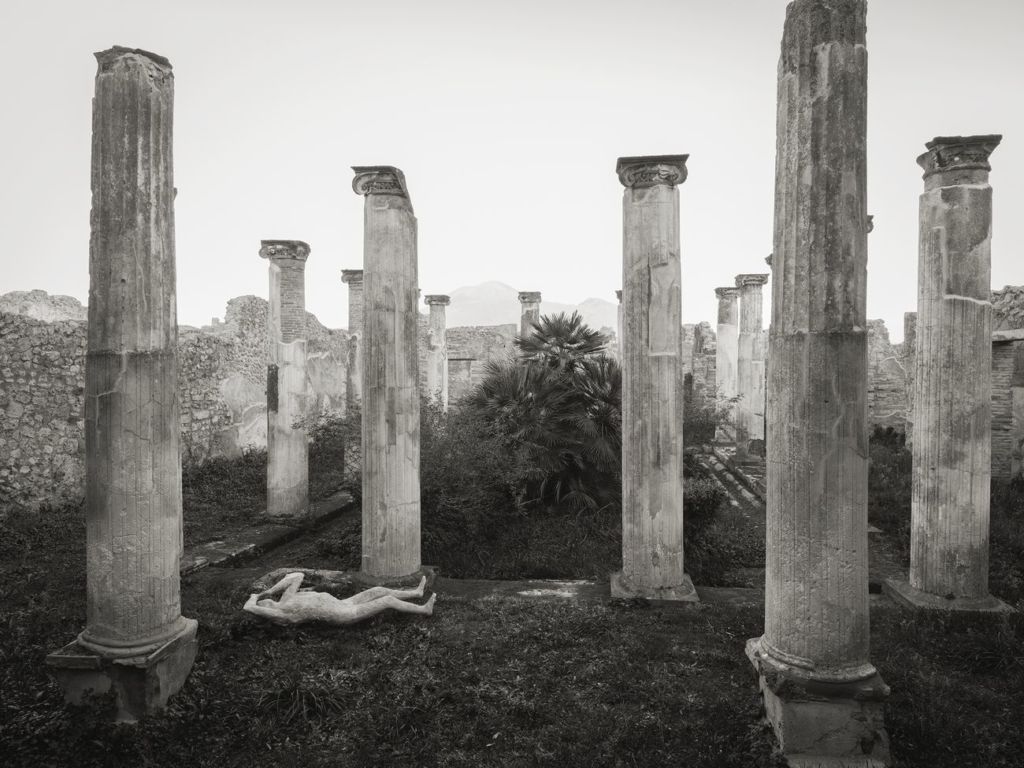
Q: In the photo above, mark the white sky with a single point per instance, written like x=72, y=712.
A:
x=507, y=119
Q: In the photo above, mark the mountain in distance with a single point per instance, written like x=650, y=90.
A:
x=495, y=303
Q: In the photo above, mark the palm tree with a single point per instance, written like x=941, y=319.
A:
x=560, y=342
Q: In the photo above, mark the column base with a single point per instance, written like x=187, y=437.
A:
x=912, y=598
x=684, y=592
x=409, y=580
x=142, y=684
x=822, y=723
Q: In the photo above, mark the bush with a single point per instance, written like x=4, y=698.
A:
x=335, y=453
x=890, y=482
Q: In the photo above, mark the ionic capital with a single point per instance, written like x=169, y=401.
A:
x=354, y=277
x=727, y=293
x=744, y=281
x=651, y=170
x=529, y=297
x=437, y=299
x=379, y=180
x=284, y=250
x=958, y=153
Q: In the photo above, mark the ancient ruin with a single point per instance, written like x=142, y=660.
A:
x=822, y=695
x=354, y=372
x=952, y=382
x=727, y=350
x=750, y=370
x=530, y=301
x=652, y=444
x=437, y=349
x=390, y=391
x=135, y=641
x=287, y=386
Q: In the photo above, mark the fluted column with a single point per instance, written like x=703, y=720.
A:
x=909, y=357
x=749, y=364
x=529, y=313
x=437, y=349
x=725, y=356
x=354, y=370
x=287, y=386
x=132, y=426
x=652, y=417
x=952, y=450
x=822, y=695
x=391, y=405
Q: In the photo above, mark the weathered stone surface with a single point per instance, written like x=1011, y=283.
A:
x=40, y=305
x=132, y=435
x=816, y=580
x=727, y=351
x=287, y=383
x=391, y=406
x=530, y=301
x=750, y=358
x=952, y=378
x=354, y=377
x=652, y=440
x=437, y=349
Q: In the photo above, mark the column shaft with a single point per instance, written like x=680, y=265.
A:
x=652, y=440
x=749, y=409
x=437, y=350
x=391, y=406
x=287, y=385
x=354, y=369
x=952, y=448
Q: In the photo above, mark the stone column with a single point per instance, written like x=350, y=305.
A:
x=287, y=388
x=652, y=408
x=354, y=369
x=391, y=404
x=135, y=639
x=909, y=356
x=749, y=411
x=725, y=357
x=952, y=465
x=530, y=301
x=618, y=328
x=437, y=349
x=822, y=695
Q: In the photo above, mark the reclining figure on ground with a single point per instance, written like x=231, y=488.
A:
x=297, y=606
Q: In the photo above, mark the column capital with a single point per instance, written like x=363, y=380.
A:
x=744, y=281
x=281, y=250
x=379, y=180
x=437, y=299
x=352, y=276
x=730, y=292
x=106, y=58
x=651, y=170
x=947, y=154
x=527, y=297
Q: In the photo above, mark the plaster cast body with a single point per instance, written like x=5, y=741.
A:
x=299, y=607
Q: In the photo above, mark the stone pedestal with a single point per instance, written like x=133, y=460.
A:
x=949, y=536
x=354, y=369
x=749, y=365
x=287, y=387
x=530, y=314
x=135, y=637
x=725, y=359
x=822, y=694
x=391, y=405
x=437, y=349
x=652, y=418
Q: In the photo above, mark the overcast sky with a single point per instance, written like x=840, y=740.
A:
x=507, y=118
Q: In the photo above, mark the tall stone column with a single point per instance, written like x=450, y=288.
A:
x=135, y=639
x=749, y=408
x=354, y=370
x=287, y=387
x=652, y=407
x=952, y=466
x=618, y=327
x=725, y=356
x=437, y=349
x=909, y=357
x=822, y=695
x=530, y=313
x=391, y=404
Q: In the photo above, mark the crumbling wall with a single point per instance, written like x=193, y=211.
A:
x=887, y=380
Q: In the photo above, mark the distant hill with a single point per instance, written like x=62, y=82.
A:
x=495, y=303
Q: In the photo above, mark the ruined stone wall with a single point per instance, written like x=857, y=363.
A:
x=888, y=385
x=469, y=349
x=1007, y=375
x=222, y=391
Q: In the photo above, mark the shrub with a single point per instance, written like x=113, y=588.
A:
x=335, y=452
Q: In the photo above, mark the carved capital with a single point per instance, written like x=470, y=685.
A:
x=727, y=293
x=529, y=297
x=743, y=281
x=379, y=180
x=958, y=153
x=354, y=277
x=279, y=250
x=651, y=170
x=437, y=299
